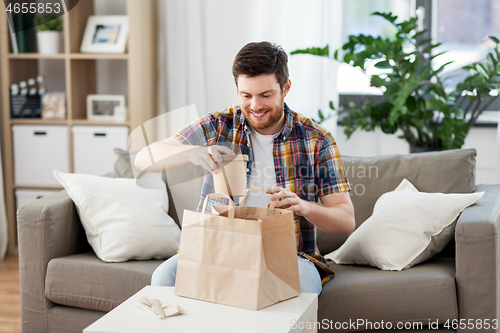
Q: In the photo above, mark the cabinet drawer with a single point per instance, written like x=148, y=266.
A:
x=39, y=149
x=93, y=148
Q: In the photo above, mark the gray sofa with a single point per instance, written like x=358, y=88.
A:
x=65, y=287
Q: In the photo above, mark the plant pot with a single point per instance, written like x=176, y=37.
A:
x=48, y=41
x=419, y=149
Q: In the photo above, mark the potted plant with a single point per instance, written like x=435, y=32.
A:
x=415, y=99
x=48, y=27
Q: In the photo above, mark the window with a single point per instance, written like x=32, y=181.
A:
x=463, y=27
x=357, y=20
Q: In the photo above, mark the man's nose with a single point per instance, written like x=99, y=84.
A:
x=256, y=104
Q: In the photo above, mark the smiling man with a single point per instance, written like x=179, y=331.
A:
x=293, y=158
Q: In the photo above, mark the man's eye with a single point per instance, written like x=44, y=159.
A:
x=247, y=96
x=266, y=96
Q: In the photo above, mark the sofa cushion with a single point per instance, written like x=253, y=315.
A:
x=123, y=167
x=407, y=227
x=421, y=293
x=184, y=183
x=84, y=281
x=123, y=221
x=450, y=171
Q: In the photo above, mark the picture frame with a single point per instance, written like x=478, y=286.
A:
x=105, y=34
x=106, y=108
x=54, y=105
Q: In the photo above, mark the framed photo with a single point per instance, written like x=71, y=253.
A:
x=106, y=108
x=54, y=105
x=105, y=34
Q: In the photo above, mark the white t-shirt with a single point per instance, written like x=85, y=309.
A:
x=263, y=173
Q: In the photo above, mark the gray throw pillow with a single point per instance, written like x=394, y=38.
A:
x=450, y=171
x=123, y=168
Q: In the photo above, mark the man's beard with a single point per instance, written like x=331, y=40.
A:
x=273, y=116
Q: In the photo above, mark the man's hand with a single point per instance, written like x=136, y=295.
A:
x=207, y=156
x=289, y=200
x=335, y=215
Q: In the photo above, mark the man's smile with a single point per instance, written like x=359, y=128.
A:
x=258, y=115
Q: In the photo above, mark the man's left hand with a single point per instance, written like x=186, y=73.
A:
x=289, y=200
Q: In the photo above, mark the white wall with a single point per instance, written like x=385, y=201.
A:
x=486, y=140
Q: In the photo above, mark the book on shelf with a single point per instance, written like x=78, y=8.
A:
x=13, y=39
x=22, y=33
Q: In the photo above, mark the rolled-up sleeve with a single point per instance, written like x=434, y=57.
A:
x=198, y=132
x=331, y=176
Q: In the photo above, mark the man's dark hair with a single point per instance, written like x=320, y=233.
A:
x=259, y=58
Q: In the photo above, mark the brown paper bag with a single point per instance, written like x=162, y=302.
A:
x=245, y=257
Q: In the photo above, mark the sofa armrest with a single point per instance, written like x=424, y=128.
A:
x=478, y=258
x=47, y=228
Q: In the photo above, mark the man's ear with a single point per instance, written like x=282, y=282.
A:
x=286, y=87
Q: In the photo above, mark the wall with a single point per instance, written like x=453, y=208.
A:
x=486, y=140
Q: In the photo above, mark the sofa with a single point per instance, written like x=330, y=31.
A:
x=65, y=287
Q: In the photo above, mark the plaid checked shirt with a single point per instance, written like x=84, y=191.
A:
x=306, y=160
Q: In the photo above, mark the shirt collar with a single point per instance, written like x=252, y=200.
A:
x=283, y=134
x=287, y=129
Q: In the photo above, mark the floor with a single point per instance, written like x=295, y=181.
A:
x=10, y=301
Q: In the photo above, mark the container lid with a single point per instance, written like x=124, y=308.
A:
x=240, y=157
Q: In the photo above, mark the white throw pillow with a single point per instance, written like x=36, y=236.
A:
x=121, y=219
x=407, y=227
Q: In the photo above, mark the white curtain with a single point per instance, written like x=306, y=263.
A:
x=198, y=40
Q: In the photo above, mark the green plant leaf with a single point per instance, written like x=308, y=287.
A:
x=481, y=70
x=376, y=81
x=420, y=33
x=491, y=57
x=317, y=51
x=321, y=116
x=353, y=39
x=490, y=65
x=494, y=39
x=362, y=39
x=348, y=57
x=443, y=66
x=388, y=16
x=383, y=64
x=411, y=103
x=430, y=47
x=48, y=22
x=438, y=54
x=435, y=104
x=393, y=117
x=407, y=26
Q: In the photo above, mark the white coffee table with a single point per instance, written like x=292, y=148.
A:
x=200, y=316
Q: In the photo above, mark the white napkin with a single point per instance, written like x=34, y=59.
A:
x=160, y=309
